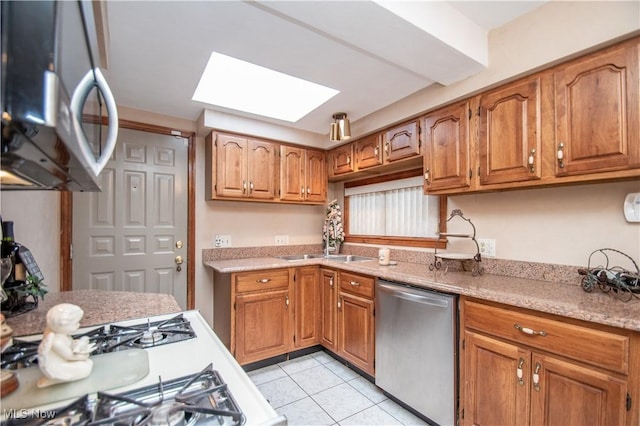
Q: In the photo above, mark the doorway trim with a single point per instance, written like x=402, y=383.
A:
x=66, y=213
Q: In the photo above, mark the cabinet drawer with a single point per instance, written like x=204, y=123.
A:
x=591, y=346
x=261, y=280
x=357, y=284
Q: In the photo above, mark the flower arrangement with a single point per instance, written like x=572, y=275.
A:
x=333, y=229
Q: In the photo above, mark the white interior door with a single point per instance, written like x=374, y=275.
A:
x=128, y=236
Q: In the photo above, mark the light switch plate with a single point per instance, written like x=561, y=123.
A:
x=632, y=207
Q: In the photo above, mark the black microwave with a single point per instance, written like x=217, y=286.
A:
x=59, y=117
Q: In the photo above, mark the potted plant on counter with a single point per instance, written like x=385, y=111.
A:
x=333, y=230
x=23, y=297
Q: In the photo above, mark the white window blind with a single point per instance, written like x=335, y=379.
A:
x=396, y=208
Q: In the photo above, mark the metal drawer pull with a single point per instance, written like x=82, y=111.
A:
x=354, y=283
x=519, y=373
x=529, y=331
x=263, y=280
x=536, y=377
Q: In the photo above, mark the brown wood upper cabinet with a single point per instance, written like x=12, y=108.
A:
x=303, y=174
x=598, y=112
x=510, y=131
x=243, y=167
x=446, y=149
x=402, y=142
x=369, y=151
x=342, y=160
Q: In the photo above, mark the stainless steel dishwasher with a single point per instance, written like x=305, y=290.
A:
x=416, y=352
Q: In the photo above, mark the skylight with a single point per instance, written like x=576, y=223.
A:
x=231, y=83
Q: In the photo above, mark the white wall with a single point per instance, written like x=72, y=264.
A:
x=560, y=225
x=36, y=217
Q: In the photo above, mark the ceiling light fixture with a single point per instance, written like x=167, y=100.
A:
x=340, y=128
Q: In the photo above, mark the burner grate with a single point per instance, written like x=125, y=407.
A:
x=107, y=339
x=198, y=399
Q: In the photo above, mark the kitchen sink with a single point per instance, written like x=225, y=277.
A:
x=332, y=257
x=348, y=258
x=291, y=257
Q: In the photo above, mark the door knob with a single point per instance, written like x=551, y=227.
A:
x=179, y=244
x=179, y=263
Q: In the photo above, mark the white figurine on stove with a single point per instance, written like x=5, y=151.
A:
x=60, y=357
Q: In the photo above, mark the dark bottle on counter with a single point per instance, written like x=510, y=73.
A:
x=10, y=249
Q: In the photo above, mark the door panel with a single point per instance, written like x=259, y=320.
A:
x=495, y=396
x=124, y=238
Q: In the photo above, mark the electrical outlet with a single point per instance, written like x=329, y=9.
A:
x=282, y=240
x=487, y=247
x=222, y=241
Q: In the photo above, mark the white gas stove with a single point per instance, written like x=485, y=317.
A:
x=186, y=361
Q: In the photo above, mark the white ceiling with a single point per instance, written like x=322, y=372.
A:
x=374, y=53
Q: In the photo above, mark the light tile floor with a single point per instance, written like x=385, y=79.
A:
x=316, y=389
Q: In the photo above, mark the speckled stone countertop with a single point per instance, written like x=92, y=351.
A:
x=100, y=307
x=564, y=299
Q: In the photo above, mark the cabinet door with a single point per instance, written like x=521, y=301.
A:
x=494, y=394
x=446, y=151
x=568, y=394
x=307, y=307
x=231, y=175
x=263, y=325
x=598, y=113
x=316, y=176
x=356, y=331
x=369, y=152
x=329, y=313
x=342, y=160
x=511, y=133
x=292, y=176
x=261, y=165
x=402, y=142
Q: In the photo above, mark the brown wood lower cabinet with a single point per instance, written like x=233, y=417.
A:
x=522, y=368
x=266, y=313
x=356, y=332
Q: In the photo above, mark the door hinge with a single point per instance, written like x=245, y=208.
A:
x=294, y=338
x=294, y=278
x=463, y=344
x=628, y=402
x=234, y=306
x=478, y=170
x=373, y=312
x=462, y=414
x=470, y=113
x=470, y=173
x=478, y=111
x=71, y=251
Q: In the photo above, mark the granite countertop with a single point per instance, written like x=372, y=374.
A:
x=99, y=306
x=551, y=297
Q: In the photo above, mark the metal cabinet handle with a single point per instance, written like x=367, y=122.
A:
x=386, y=147
x=339, y=303
x=375, y=151
x=263, y=280
x=519, y=373
x=560, y=155
x=529, y=331
x=426, y=176
x=244, y=186
x=536, y=377
x=302, y=191
x=331, y=282
x=354, y=283
x=286, y=301
x=250, y=186
x=308, y=190
x=349, y=159
x=531, y=160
